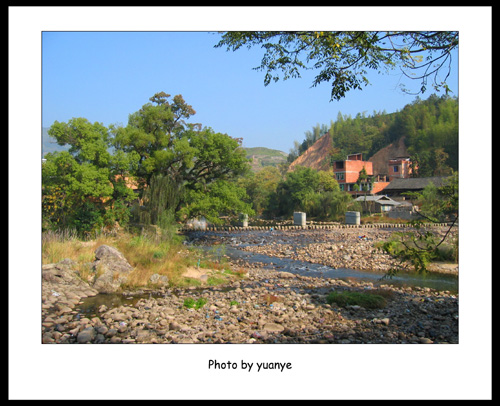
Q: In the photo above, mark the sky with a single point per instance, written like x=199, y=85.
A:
x=105, y=76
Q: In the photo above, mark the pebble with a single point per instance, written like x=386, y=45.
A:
x=266, y=306
x=300, y=314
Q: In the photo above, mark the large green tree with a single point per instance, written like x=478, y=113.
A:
x=260, y=187
x=305, y=189
x=201, y=164
x=343, y=58
x=84, y=188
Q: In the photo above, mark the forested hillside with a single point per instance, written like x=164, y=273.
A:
x=430, y=128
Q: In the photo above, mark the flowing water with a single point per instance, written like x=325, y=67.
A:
x=434, y=280
x=431, y=279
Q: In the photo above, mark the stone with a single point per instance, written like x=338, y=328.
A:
x=119, y=317
x=144, y=336
x=273, y=327
x=174, y=326
x=112, y=268
x=111, y=332
x=86, y=335
x=101, y=330
x=158, y=279
x=300, y=316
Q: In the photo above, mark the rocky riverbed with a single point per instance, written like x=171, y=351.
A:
x=352, y=248
x=265, y=306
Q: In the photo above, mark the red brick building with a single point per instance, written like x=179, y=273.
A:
x=399, y=168
x=347, y=173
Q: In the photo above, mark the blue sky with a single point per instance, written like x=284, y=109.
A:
x=105, y=76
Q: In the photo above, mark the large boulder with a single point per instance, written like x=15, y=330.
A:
x=112, y=269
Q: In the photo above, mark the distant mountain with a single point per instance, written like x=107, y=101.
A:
x=262, y=157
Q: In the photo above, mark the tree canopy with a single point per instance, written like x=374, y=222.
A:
x=343, y=58
x=188, y=169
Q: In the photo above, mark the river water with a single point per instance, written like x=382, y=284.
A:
x=434, y=280
x=431, y=279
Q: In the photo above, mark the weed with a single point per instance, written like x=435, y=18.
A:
x=190, y=303
x=366, y=300
x=147, y=255
x=214, y=280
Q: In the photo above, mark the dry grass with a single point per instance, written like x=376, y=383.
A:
x=58, y=246
x=147, y=255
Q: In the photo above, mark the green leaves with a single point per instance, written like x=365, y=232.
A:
x=343, y=57
x=220, y=196
x=415, y=248
x=88, y=142
x=305, y=189
x=419, y=247
x=158, y=150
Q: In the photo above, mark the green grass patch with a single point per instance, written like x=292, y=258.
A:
x=190, y=303
x=366, y=300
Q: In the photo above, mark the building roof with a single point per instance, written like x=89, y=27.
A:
x=378, y=199
x=414, y=183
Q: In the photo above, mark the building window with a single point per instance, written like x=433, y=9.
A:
x=395, y=168
x=339, y=176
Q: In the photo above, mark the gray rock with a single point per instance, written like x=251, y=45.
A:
x=86, y=335
x=112, y=268
x=159, y=279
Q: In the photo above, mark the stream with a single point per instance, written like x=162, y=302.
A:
x=432, y=280
x=234, y=241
